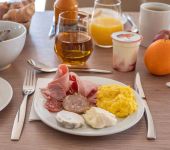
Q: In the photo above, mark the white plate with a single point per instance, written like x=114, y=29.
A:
x=6, y=93
x=49, y=118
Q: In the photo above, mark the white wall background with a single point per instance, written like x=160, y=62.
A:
x=40, y=5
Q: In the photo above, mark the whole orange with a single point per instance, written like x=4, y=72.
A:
x=157, y=57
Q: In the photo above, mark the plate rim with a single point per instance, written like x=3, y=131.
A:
x=10, y=94
x=88, y=134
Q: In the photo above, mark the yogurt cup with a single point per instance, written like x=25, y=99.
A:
x=125, y=49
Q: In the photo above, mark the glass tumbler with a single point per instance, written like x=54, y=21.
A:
x=73, y=44
x=106, y=19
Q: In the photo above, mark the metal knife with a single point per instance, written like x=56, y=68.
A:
x=151, y=133
x=89, y=70
x=51, y=33
x=134, y=27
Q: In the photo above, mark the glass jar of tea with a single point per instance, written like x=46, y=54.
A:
x=73, y=44
x=62, y=5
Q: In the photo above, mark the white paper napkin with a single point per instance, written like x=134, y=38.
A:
x=33, y=115
x=41, y=82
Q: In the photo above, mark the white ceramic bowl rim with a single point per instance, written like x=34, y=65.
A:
x=16, y=23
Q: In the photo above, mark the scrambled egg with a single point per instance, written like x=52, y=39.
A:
x=117, y=99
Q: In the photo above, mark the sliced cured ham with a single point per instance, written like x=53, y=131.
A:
x=76, y=84
x=90, y=88
x=67, y=83
x=55, y=91
x=83, y=87
x=53, y=105
x=61, y=77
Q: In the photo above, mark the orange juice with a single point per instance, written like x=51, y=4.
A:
x=101, y=29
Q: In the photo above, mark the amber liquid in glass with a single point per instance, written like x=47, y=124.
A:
x=73, y=47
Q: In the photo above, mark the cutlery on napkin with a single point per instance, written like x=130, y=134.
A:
x=33, y=115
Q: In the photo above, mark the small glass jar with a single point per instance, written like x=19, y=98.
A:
x=73, y=44
x=125, y=49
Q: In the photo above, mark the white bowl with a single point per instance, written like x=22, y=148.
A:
x=11, y=48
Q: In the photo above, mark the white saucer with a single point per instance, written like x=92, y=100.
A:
x=6, y=93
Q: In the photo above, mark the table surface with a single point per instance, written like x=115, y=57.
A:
x=37, y=136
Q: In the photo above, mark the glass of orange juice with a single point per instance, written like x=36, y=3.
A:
x=106, y=19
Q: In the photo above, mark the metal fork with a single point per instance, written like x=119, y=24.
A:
x=28, y=89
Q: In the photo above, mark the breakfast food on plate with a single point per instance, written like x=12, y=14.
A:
x=99, y=118
x=164, y=34
x=4, y=35
x=117, y=99
x=75, y=100
x=67, y=83
x=157, y=57
x=76, y=103
x=69, y=120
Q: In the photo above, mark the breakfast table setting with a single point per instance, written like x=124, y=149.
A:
x=52, y=99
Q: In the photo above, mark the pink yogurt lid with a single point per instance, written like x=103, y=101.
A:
x=126, y=37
